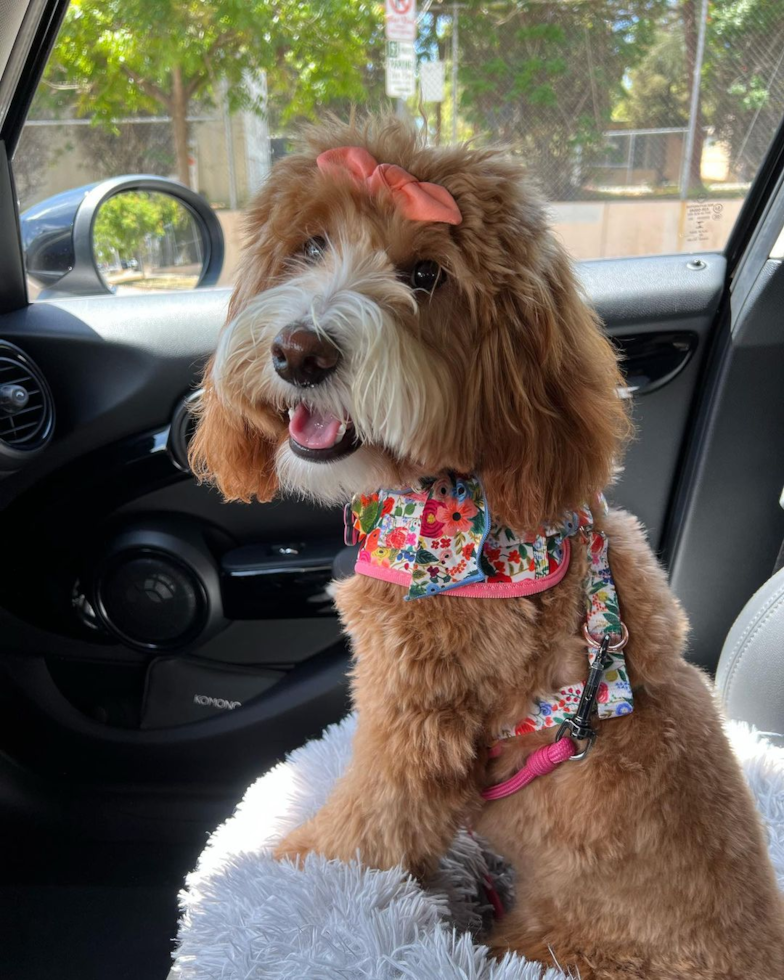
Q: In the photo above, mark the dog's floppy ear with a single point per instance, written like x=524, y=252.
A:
x=235, y=442
x=234, y=450
x=554, y=421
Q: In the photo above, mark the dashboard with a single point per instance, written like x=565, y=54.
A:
x=152, y=631
x=150, y=603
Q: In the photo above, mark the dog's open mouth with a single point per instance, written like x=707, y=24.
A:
x=320, y=437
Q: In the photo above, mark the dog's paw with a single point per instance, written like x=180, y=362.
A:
x=295, y=847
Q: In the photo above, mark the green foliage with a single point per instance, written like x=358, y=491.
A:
x=119, y=55
x=744, y=76
x=126, y=221
x=658, y=93
x=543, y=77
x=114, y=58
x=742, y=84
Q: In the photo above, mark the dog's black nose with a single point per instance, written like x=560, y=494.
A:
x=302, y=357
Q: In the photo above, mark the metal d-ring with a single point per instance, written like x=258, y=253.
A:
x=566, y=728
x=613, y=648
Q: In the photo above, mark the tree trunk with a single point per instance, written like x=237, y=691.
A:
x=439, y=105
x=690, y=14
x=179, y=114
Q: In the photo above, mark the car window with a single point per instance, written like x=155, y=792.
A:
x=642, y=122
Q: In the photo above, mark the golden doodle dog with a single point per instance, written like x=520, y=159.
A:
x=404, y=319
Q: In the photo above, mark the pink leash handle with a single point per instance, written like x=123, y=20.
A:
x=540, y=763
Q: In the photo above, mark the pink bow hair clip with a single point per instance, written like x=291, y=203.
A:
x=416, y=200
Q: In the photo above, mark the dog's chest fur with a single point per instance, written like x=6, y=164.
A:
x=496, y=653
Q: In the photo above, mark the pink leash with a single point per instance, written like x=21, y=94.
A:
x=540, y=763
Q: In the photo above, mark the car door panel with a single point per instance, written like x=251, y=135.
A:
x=118, y=367
x=728, y=524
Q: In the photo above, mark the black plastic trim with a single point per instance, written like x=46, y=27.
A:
x=40, y=49
x=13, y=286
x=128, y=552
x=209, y=752
x=650, y=361
x=756, y=202
x=259, y=581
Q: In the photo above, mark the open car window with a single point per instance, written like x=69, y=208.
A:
x=642, y=123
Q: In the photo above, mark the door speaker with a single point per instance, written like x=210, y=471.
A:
x=158, y=588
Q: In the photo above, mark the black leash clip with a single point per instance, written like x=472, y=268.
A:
x=579, y=726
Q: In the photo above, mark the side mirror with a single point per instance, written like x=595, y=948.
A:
x=125, y=234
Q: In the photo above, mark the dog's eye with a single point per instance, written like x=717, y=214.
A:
x=314, y=248
x=427, y=275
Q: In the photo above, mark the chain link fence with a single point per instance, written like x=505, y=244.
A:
x=604, y=101
x=598, y=97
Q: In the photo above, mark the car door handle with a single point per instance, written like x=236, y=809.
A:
x=650, y=361
x=279, y=581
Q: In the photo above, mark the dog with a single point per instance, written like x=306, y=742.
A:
x=404, y=318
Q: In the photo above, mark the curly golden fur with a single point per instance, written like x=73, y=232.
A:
x=647, y=860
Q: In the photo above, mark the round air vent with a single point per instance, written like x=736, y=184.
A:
x=26, y=407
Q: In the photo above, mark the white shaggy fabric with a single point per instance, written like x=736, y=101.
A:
x=246, y=916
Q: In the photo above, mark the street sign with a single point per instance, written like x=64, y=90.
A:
x=431, y=81
x=401, y=69
x=401, y=20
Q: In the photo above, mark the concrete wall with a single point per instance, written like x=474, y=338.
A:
x=231, y=223
x=68, y=163
x=615, y=229
x=598, y=230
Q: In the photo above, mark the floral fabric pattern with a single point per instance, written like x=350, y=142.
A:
x=452, y=532
x=442, y=538
x=457, y=543
x=603, y=616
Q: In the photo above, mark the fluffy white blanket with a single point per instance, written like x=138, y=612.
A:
x=246, y=916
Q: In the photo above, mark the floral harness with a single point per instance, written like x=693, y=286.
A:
x=441, y=539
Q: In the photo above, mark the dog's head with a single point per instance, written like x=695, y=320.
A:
x=382, y=331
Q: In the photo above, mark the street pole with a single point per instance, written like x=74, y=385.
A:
x=694, y=103
x=228, y=141
x=455, y=52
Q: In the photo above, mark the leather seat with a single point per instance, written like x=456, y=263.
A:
x=750, y=675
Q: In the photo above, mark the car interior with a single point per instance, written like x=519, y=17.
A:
x=160, y=648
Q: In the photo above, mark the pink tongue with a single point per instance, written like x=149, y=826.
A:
x=312, y=429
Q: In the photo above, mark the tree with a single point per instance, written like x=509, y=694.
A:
x=691, y=11
x=658, y=96
x=118, y=57
x=742, y=83
x=129, y=223
x=744, y=77
x=543, y=77
x=136, y=148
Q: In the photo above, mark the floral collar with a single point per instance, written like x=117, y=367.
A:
x=441, y=539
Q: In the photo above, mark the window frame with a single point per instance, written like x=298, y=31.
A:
x=13, y=284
